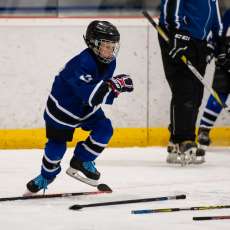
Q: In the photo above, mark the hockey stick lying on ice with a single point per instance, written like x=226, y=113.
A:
x=78, y=206
x=102, y=188
x=146, y=211
x=46, y=196
x=188, y=63
x=211, y=217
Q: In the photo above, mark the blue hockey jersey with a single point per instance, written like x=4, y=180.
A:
x=79, y=90
x=198, y=17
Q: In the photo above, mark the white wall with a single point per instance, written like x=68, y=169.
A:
x=32, y=52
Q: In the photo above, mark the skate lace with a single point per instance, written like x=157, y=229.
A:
x=90, y=166
x=41, y=182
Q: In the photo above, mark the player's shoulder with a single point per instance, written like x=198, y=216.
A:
x=87, y=59
x=83, y=60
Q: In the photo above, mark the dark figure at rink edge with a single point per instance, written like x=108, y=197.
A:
x=75, y=100
x=221, y=84
x=188, y=24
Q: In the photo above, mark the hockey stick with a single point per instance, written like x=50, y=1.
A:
x=145, y=211
x=46, y=196
x=211, y=217
x=188, y=63
x=78, y=206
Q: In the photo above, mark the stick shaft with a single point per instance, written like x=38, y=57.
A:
x=146, y=211
x=76, y=207
x=46, y=196
x=132, y=201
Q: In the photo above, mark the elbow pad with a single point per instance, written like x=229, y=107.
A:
x=99, y=95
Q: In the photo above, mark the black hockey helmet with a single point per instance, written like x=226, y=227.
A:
x=102, y=31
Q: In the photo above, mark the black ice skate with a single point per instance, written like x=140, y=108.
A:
x=173, y=150
x=84, y=171
x=203, y=142
x=200, y=156
x=203, y=138
x=187, y=152
x=37, y=184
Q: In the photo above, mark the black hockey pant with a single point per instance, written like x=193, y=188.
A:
x=187, y=90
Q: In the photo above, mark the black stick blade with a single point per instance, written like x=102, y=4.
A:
x=76, y=207
x=104, y=188
x=211, y=218
x=180, y=197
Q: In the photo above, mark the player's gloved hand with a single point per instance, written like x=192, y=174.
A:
x=210, y=48
x=179, y=44
x=223, y=59
x=121, y=83
x=223, y=51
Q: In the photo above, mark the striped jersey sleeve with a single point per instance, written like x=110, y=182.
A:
x=217, y=26
x=173, y=13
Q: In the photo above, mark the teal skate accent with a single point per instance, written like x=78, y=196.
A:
x=90, y=166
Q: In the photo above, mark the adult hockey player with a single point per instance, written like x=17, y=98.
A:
x=221, y=84
x=187, y=23
x=75, y=100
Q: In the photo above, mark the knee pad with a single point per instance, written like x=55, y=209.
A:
x=55, y=150
x=102, y=131
x=106, y=127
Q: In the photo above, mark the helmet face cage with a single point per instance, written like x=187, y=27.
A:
x=106, y=50
x=103, y=38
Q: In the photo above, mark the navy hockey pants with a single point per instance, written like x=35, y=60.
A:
x=101, y=132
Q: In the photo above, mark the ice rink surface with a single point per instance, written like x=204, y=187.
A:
x=132, y=173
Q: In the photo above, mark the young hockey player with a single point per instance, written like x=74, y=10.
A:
x=75, y=100
x=221, y=84
x=187, y=23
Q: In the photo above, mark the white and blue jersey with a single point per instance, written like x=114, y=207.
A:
x=221, y=82
x=198, y=17
x=79, y=90
x=75, y=101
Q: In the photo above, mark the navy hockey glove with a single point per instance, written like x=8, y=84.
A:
x=121, y=83
x=179, y=45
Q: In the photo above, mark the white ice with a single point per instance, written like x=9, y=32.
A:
x=133, y=173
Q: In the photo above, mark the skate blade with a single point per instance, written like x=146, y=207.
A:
x=184, y=160
x=173, y=161
x=28, y=193
x=187, y=157
x=203, y=147
x=79, y=176
x=193, y=159
x=198, y=160
x=172, y=158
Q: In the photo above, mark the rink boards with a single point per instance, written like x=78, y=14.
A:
x=35, y=50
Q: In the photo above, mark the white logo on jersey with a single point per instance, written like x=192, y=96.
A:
x=87, y=78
